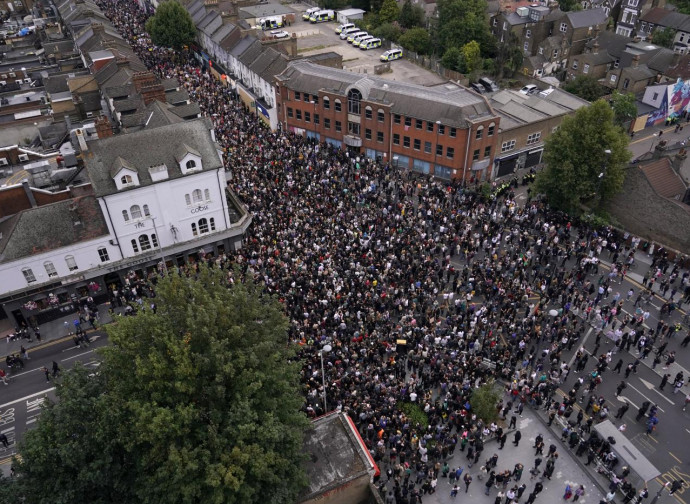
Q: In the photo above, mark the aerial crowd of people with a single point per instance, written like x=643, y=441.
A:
x=424, y=291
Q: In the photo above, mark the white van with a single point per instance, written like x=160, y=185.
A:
x=347, y=32
x=342, y=27
x=309, y=12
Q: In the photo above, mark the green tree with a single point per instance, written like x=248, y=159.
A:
x=509, y=57
x=462, y=21
x=388, y=31
x=483, y=402
x=389, y=11
x=624, y=107
x=171, y=26
x=198, y=402
x=417, y=40
x=664, y=37
x=471, y=54
x=574, y=157
x=411, y=16
x=569, y=5
x=453, y=59
x=586, y=87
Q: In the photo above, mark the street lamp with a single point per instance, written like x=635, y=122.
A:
x=160, y=245
x=326, y=348
x=652, y=144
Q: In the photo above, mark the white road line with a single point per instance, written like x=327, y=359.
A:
x=7, y=431
x=651, y=386
x=75, y=356
x=29, y=422
x=582, y=345
x=11, y=377
x=21, y=399
x=650, y=400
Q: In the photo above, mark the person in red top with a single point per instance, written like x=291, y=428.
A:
x=3, y=376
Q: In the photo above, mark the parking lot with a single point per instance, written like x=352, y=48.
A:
x=321, y=37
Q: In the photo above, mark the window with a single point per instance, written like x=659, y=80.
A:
x=367, y=134
x=146, y=211
x=452, y=132
x=528, y=33
x=338, y=106
x=564, y=27
x=574, y=64
x=418, y=124
x=28, y=275
x=326, y=102
x=430, y=126
x=525, y=46
x=417, y=144
x=354, y=102
x=492, y=127
x=144, y=242
x=298, y=114
x=196, y=195
x=135, y=247
x=135, y=210
x=379, y=136
x=508, y=146
x=298, y=97
x=427, y=147
x=406, y=142
x=194, y=230
x=307, y=117
x=212, y=222
x=290, y=113
x=126, y=179
x=480, y=133
x=441, y=129
x=207, y=195
x=368, y=113
x=408, y=121
x=125, y=215
x=353, y=128
x=316, y=119
x=191, y=164
x=541, y=50
x=555, y=53
x=613, y=78
x=154, y=240
x=396, y=139
x=475, y=155
x=103, y=254
x=338, y=126
x=71, y=263
x=487, y=151
x=396, y=118
x=450, y=152
x=439, y=150
x=326, y=123
x=616, y=63
x=533, y=138
x=50, y=269
x=380, y=116
x=626, y=83
x=203, y=226
x=585, y=69
x=655, y=96
x=315, y=100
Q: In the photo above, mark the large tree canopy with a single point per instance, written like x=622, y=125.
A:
x=586, y=87
x=464, y=21
x=171, y=26
x=198, y=402
x=575, y=156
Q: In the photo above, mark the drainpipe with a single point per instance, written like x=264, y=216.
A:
x=467, y=152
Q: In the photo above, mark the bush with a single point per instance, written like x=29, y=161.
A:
x=483, y=402
x=415, y=414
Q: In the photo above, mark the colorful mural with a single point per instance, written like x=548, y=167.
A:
x=675, y=101
x=659, y=115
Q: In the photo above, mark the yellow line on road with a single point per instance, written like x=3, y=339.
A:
x=44, y=345
x=672, y=455
x=17, y=177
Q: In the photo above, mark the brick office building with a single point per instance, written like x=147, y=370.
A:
x=445, y=130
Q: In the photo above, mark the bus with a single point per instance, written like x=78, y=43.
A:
x=271, y=23
x=322, y=16
x=370, y=44
x=309, y=13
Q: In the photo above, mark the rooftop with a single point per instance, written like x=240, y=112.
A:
x=663, y=179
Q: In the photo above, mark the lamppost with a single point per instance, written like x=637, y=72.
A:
x=602, y=174
x=313, y=118
x=652, y=144
x=658, y=494
x=326, y=348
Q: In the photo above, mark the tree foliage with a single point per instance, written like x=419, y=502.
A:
x=417, y=40
x=471, y=54
x=569, y=5
x=453, y=59
x=462, y=21
x=509, y=56
x=171, y=26
x=483, y=402
x=586, y=87
x=574, y=157
x=664, y=37
x=389, y=11
x=196, y=403
x=624, y=108
x=388, y=31
x=411, y=16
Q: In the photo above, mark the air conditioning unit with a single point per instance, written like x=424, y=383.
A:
x=27, y=80
x=3, y=83
x=3, y=162
x=23, y=157
x=89, y=115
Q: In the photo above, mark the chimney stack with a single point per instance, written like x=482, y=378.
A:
x=103, y=127
x=595, y=47
x=29, y=194
x=635, y=61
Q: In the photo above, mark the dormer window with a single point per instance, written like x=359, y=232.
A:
x=191, y=164
x=189, y=159
x=124, y=174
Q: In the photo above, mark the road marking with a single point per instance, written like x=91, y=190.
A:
x=672, y=455
x=27, y=397
x=582, y=345
x=653, y=402
x=25, y=372
x=651, y=386
x=75, y=356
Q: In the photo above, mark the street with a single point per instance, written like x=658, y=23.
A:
x=28, y=388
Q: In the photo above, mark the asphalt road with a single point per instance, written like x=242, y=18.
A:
x=28, y=388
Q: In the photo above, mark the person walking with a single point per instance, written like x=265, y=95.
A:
x=687, y=400
x=579, y=493
x=5, y=442
x=664, y=381
x=621, y=411
x=568, y=492
x=47, y=373
x=468, y=481
x=620, y=388
x=56, y=369
x=3, y=376
x=454, y=491
x=516, y=438
x=643, y=409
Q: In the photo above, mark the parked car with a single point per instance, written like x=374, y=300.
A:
x=488, y=84
x=279, y=34
x=529, y=89
x=478, y=88
x=344, y=27
x=392, y=55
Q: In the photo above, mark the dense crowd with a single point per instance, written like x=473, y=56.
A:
x=424, y=291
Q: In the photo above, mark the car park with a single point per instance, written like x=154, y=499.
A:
x=370, y=44
x=392, y=55
x=279, y=34
x=348, y=31
x=351, y=36
x=344, y=27
x=322, y=16
x=529, y=89
x=271, y=22
x=359, y=41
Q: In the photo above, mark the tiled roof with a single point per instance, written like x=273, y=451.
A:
x=663, y=179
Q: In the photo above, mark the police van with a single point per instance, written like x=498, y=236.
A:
x=343, y=27
x=322, y=16
x=309, y=13
x=392, y=54
x=348, y=31
x=359, y=40
x=370, y=44
x=271, y=23
x=351, y=36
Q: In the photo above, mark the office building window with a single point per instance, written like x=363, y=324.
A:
x=427, y=147
x=338, y=126
x=487, y=151
x=28, y=275
x=367, y=134
x=450, y=152
x=103, y=254
x=396, y=139
x=475, y=155
x=406, y=142
x=417, y=144
x=379, y=136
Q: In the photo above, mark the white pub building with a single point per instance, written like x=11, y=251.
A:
x=159, y=194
